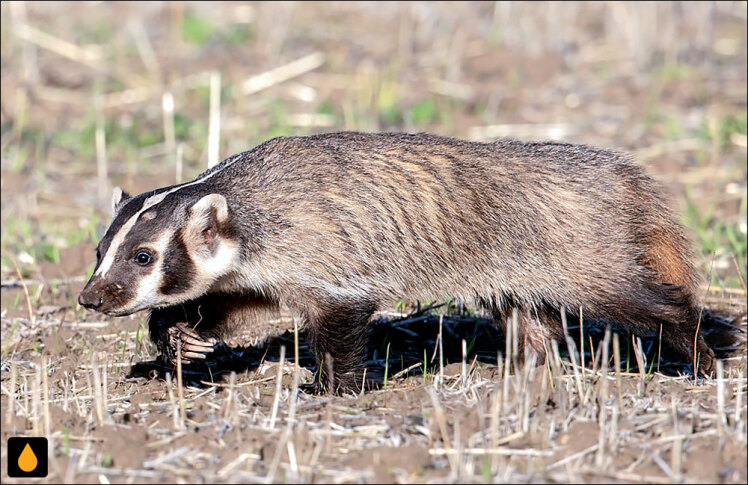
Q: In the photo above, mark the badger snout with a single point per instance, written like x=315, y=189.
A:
x=90, y=300
x=100, y=296
x=110, y=297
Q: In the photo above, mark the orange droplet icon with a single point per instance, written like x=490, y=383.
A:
x=27, y=460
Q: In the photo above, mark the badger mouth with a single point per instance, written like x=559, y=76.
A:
x=121, y=312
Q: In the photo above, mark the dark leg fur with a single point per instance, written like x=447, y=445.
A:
x=159, y=322
x=680, y=326
x=201, y=322
x=535, y=328
x=338, y=335
x=667, y=306
x=183, y=322
x=655, y=305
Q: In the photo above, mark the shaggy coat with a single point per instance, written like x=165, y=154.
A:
x=336, y=226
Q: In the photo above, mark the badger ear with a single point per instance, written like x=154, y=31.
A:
x=207, y=221
x=119, y=198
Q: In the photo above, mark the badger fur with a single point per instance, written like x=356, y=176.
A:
x=336, y=226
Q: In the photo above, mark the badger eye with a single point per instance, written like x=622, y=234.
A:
x=143, y=258
x=98, y=254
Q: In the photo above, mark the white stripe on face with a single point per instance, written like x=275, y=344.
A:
x=148, y=294
x=108, y=260
x=117, y=240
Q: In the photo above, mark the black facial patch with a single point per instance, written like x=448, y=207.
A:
x=178, y=269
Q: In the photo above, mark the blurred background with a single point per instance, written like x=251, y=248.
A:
x=146, y=94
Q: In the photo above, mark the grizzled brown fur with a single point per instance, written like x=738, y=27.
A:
x=336, y=226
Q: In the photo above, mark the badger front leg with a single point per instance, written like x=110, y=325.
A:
x=168, y=326
x=199, y=324
x=338, y=335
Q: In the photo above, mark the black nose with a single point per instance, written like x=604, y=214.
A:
x=89, y=300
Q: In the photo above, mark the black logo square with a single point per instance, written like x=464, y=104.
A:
x=27, y=457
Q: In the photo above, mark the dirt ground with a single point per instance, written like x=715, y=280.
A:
x=98, y=94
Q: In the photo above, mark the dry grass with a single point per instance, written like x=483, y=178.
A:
x=469, y=421
x=100, y=94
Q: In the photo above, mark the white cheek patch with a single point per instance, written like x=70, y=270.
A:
x=212, y=267
x=108, y=260
x=224, y=260
x=148, y=294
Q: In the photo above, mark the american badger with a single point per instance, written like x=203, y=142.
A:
x=335, y=226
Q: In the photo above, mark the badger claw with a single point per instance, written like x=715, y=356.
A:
x=193, y=345
x=204, y=348
x=182, y=327
x=193, y=355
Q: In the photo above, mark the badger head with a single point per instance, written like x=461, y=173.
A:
x=162, y=248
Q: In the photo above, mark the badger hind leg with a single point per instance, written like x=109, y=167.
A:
x=655, y=307
x=692, y=346
x=536, y=327
x=680, y=320
x=666, y=258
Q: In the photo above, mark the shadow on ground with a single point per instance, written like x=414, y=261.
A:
x=413, y=340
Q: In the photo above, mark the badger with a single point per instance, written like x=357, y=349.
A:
x=336, y=226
